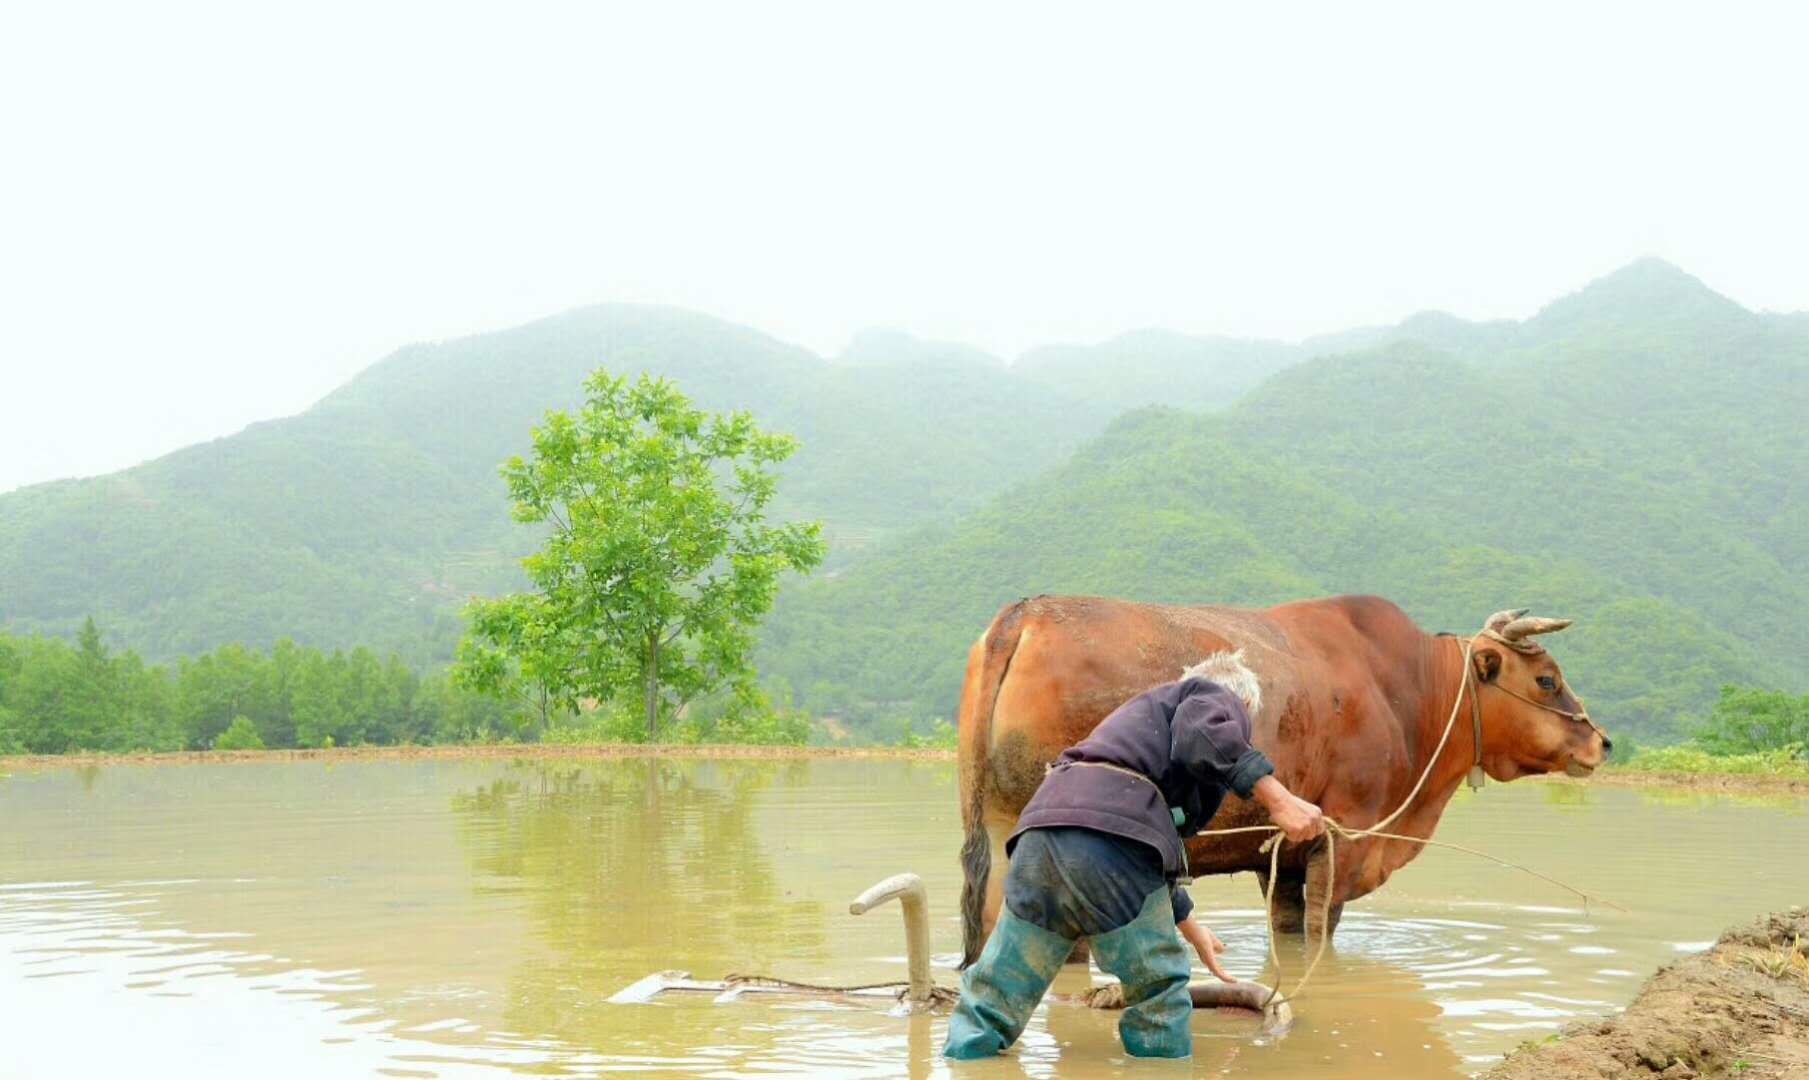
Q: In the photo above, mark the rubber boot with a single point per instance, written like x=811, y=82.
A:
x=1147, y=956
x=1002, y=988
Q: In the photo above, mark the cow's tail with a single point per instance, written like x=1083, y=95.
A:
x=987, y=664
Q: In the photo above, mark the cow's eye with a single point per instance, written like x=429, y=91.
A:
x=1546, y=682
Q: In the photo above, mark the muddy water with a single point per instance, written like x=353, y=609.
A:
x=465, y=918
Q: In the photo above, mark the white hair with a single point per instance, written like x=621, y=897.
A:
x=1229, y=671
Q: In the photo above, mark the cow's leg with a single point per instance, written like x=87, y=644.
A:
x=1080, y=954
x=996, y=830
x=1321, y=919
x=1289, y=907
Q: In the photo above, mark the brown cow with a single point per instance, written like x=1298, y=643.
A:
x=1354, y=699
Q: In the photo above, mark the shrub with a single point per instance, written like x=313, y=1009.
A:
x=941, y=736
x=1693, y=758
x=241, y=734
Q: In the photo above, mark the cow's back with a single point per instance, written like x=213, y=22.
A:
x=1049, y=669
x=1079, y=657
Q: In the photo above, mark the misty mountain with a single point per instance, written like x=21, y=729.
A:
x=1156, y=366
x=370, y=517
x=1602, y=460
x=1629, y=455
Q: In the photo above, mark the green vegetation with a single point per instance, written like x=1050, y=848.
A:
x=1747, y=721
x=1749, y=733
x=58, y=698
x=940, y=736
x=1631, y=457
x=764, y=718
x=659, y=562
x=376, y=514
x=241, y=734
x=1692, y=760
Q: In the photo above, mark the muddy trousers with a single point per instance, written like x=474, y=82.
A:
x=1021, y=959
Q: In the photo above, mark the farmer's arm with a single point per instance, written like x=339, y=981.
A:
x=1210, y=737
x=1298, y=819
x=1206, y=944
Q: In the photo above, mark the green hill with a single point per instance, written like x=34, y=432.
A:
x=368, y=518
x=1630, y=456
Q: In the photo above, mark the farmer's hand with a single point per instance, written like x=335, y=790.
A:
x=1298, y=819
x=1206, y=943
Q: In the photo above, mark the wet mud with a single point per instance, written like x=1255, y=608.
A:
x=1741, y=1009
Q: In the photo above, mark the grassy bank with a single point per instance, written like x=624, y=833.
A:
x=1695, y=767
x=1691, y=760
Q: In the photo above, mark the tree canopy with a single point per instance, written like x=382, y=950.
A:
x=658, y=560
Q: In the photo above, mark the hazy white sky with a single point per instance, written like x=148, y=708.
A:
x=214, y=214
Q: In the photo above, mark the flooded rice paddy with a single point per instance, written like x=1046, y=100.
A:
x=456, y=918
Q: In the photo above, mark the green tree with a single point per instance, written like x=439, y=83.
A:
x=11, y=741
x=318, y=700
x=276, y=685
x=659, y=560
x=1746, y=720
x=90, y=703
x=214, y=688
x=144, y=710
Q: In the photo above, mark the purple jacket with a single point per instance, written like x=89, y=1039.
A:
x=1191, y=737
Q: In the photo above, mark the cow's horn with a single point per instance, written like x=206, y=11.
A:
x=1502, y=618
x=1526, y=627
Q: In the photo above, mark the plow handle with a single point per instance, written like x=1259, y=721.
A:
x=908, y=890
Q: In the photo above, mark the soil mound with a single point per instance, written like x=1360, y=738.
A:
x=1741, y=1009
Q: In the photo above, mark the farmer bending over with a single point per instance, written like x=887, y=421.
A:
x=1097, y=851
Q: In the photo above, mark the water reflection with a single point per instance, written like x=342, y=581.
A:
x=646, y=864
x=1699, y=798
x=1562, y=794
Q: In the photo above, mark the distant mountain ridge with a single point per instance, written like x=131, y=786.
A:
x=370, y=516
x=1630, y=454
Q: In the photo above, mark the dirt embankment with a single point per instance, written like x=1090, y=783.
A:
x=1733, y=782
x=1740, y=1009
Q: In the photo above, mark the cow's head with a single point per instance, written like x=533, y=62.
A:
x=1531, y=721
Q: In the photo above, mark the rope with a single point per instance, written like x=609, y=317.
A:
x=1334, y=830
x=939, y=995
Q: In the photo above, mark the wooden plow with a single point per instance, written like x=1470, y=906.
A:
x=919, y=993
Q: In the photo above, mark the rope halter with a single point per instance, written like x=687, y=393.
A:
x=1499, y=629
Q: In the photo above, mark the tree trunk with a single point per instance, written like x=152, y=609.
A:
x=653, y=684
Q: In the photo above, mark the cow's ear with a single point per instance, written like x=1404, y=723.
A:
x=1488, y=663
